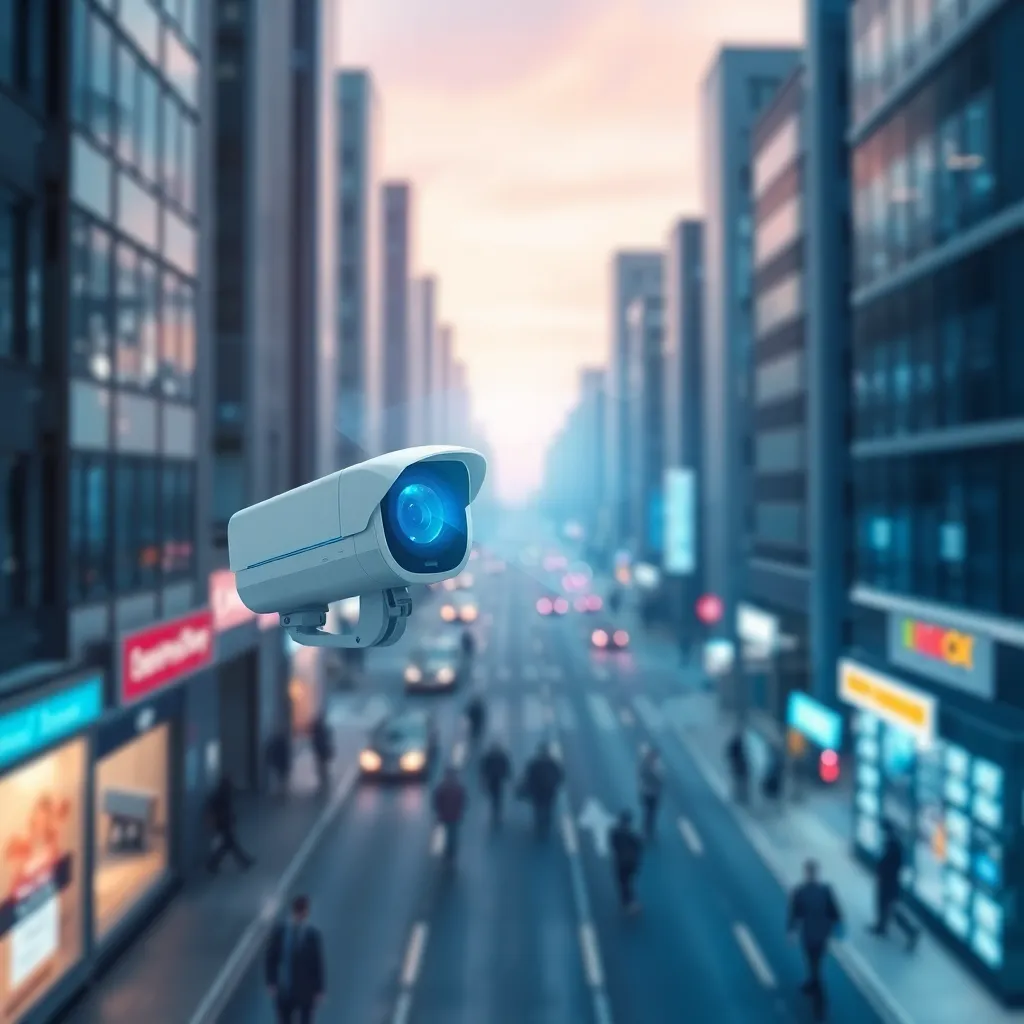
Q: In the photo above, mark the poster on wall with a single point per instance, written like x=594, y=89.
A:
x=41, y=912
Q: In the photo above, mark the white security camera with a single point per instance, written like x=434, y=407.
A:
x=369, y=531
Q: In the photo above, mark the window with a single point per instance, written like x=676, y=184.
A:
x=137, y=549
x=91, y=294
x=20, y=279
x=91, y=179
x=778, y=231
x=138, y=213
x=776, y=154
x=148, y=327
x=148, y=126
x=189, y=167
x=89, y=540
x=980, y=183
x=128, y=108
x=23, y=48
x=128, y=359
x=80, y=62
x=228, y=485
x=780, y=524
x=172, y=147
x=142, y=23
x=780, y=451
x=24, y=551
x=182, y=70
x=180, y=243
x=179, y=341
x=177, y=500
x=102, y=102
x=779, y=304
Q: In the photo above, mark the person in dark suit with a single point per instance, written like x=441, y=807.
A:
x=814, y=915
x=295, y=966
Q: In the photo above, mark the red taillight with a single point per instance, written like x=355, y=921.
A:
x=544, y=606
x=561, y=606
x=594, y=602
x=621, y=638
x=599, y=638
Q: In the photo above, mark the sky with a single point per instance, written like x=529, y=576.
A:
x=541, y=136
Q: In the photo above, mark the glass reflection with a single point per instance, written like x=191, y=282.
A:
x=188, y=164
x=91, y=178
x=6, y=277
x=149, y=311
x=138, y=213
x=142, y=23
x=172, y=129
x=128, y=109
x=182, y=70
x=127, y=361
x=179, y=242
x=148, y=126
x=102, y=102
x=80, y=61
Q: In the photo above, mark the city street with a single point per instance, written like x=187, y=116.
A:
x=525, y=930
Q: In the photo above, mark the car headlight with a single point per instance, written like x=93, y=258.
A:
x=413, y=674
x=448, y=613
x=469, y=613
x=413, y=761
x=369, y=761
x=445, y=675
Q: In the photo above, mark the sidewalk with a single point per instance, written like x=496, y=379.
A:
x=165, y=974
x=928, y=986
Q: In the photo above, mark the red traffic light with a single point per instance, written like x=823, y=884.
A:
x=828, y=766
x=709, y=609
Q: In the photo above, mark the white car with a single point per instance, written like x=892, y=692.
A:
x=438, y=664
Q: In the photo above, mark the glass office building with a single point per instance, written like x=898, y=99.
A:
x=936, y=631
x=132, y=335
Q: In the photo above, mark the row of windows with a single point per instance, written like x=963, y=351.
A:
x=131, y=524
x=119, y=99
x=890, y=38
x=779, y=378
x=23, y=53
x=780, y=451
x=944, y=352
x=27, y=518
x=129, y=320
x=778, y=230
x=779, y=304
x=777, y=154
x=781, y=524
x=947, y=527
x=21, y=279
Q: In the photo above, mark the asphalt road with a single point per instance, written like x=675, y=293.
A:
x=525, y=930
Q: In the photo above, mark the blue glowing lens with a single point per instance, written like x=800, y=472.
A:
x=420, y=513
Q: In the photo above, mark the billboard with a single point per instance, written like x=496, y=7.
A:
x=679, y=555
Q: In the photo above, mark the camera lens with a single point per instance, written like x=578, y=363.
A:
x=420, y=513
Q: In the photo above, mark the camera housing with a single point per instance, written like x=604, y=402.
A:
x=369, y=531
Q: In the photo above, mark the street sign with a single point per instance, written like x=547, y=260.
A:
x=709, y=609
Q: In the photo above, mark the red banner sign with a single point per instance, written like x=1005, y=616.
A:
x=164, y=654
x=226, y=605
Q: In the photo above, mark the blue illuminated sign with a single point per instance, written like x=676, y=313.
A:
x=819, y=724
x=32, y=728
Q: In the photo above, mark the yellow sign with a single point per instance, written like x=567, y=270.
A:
x=893, y=702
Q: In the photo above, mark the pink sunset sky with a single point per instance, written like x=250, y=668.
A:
x=542, y=135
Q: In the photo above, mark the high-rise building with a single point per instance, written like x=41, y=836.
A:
x=777, y=549
x=422, y=358
x=360, y=357
x=936, y=630
x=683, y=413
x=737, y=87
x=398, y=263
x=442, y=385
x=644, y=407
x=635, y=275
x=459, y=405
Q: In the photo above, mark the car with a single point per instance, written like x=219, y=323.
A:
x=403, y=746
x=552, y=606
x=609, y=639
x=460, y=607
x=438, y=664
x=588, y=604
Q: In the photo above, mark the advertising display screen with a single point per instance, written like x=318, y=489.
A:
x=131, y=829
x=679, y=538
x=42, y=828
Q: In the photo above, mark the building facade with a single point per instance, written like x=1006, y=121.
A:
x=441, y=386
x=682, y=418
x=399, y=261
x=423, y=340
x=736, y=89
x=460, y=406
x=645, y=404
x=360, y=357
x=777, y=547
x=936, y=642
x=635, y=275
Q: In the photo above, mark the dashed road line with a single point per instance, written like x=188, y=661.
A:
x=414, y=954
x=591, y=956
x=690, y=837
x=572, y=846
x=459, y=754
x=752, y=951
x=437, y=841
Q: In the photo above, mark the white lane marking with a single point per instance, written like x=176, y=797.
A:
x=591, y=955
x=402, y=1008
x=754, y=956
x=572, y=847
x=602, y=1011
x=248, y=945
x=414, y=954
x=498, y=714
x=556, y=750
x=870, y=984
x=534, y=713
x=566, y=714
x=530, y=673
x=549, y=715
x=459, y=754
x=649, y=714
x=601, y=711
x=538, y=646
x=690, y=837
x=626, y=716
x=437, y=842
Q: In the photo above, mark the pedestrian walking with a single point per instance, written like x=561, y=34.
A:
x=814, y=919
x=541, y=782
x=322, y=737
x=627, y=852
x=650, y=782
x=888, y=888
x=495, y=771
x=739, y=766
x=279, y=759
x=294, y=966
x=221, y=810
x=450, y=806
x=771, y=783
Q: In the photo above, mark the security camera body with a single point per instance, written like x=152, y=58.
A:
x=370, y=530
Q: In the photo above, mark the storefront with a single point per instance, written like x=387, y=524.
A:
x=44, y=801
x=774, y=661
x=139, y=770
x=950, y=785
